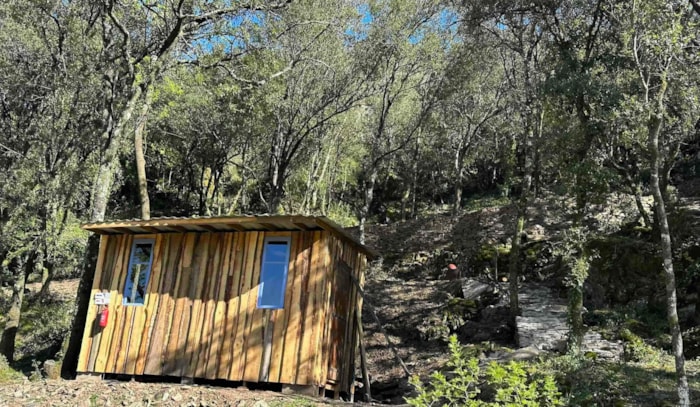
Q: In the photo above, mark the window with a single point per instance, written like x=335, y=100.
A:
x=139, y=272
x=273, y=277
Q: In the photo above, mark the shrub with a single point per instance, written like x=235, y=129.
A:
x=513, y=384
x=636, y=350
x=6, y=372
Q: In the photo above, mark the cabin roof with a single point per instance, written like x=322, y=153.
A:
x=243, y=223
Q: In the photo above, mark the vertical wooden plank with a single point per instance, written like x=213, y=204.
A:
x=281, y=316
x=209, y=343
x=163, y=317
x=218, y=331
x=305, y=322
x=268, y=329
x=290, y=359
x=109, y=285
x=123, y=345
x=238, y=366
x=111, y=334
x=86, y=345
x=314, y=309
x=339, y=290
x=144, y=318
x=233, y=303
x=344, y=312
x=349, y=356
x=106, y=280
x=194, y=335
x=254, y=337
x=333, y=318
x=177, y=341
x=326, y=314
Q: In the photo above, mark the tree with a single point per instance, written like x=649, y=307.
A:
x=519, y=30
x=137, y=43
x=662, y=106
x=472, y=99
x=401, y=54
x=46, y=116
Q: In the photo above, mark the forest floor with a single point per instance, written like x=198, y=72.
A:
x=408, y=293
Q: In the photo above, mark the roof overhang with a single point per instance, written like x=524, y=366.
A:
x=228, y=224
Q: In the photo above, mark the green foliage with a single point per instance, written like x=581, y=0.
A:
x=513, y=384
x=44, y=325
x=7, y=373
x=460, y=389
x=453, y=315
x=636, y=350
x=641, y=320
x=518, y=385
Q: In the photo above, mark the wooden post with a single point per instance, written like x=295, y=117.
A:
x=363, y=358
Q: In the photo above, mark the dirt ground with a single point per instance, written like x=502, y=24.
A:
x=93, y=392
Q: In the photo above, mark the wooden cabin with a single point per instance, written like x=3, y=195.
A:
x=269, y=299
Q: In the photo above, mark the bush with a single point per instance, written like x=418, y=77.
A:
x=513, y=384
x=43, y=328
x=636, y=350
x=7, y=373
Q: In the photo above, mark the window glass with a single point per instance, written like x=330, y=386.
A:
x=139, y=272
x=273, y=277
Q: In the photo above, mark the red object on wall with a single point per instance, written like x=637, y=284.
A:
x=104, y=316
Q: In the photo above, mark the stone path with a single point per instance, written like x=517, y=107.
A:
x=543, y=324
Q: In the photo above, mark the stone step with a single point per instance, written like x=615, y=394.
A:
x=543, y=325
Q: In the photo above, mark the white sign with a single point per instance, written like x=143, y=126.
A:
x=101, y=298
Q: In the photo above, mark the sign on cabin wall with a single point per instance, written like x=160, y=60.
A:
x=101, y=298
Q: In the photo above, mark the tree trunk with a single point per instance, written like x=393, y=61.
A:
x=459, y=180
x=655, y=123
x=514, y=266
x=46, y=278
x=139, y=132
x=414, y=179
x=696, y=315
x=102, y=189
x=458, y=196
x=109, y=159
x=366, y=204
x=640, y=207
x=7, y=341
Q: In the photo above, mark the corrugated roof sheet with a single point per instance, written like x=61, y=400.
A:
x=242, y=223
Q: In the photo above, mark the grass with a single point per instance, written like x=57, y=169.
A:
x=590, y=383
x=43, y=325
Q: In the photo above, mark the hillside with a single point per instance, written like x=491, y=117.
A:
x=413, y=290
x=417, y=300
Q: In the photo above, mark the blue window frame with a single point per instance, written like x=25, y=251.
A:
x=139, y=272
x=273, y=276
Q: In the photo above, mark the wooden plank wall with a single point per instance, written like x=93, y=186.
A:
x=200, y=317
x=348, y=265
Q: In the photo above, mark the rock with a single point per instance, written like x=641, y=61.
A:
x=527, y=353
x=472, y=289
x=52, y=369
x=176, y=397
x=161, y=395
x=543, y=323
